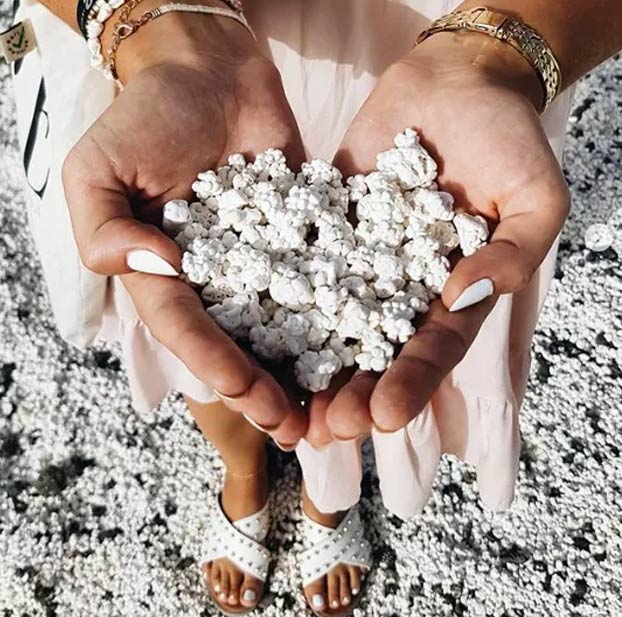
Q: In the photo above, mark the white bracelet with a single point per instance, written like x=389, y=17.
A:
x=102, y=10
x=100, y=13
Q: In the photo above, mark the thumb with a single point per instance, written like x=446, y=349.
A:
x=518, y=246
x=110, y=239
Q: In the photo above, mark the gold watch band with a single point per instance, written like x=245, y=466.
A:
x=511, y=30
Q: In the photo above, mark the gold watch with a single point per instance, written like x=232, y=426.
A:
x=513, y=31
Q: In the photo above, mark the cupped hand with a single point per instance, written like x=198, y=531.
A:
x=181, y=112
x=473, y=101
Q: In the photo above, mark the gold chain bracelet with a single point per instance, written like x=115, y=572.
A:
x=529, y=43
x=125, y=27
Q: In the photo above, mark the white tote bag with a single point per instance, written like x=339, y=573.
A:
x=58, y=96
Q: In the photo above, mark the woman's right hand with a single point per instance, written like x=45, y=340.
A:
x=197, y=89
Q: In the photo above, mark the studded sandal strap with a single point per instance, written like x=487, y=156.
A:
x=330, y=547
x=240, y=541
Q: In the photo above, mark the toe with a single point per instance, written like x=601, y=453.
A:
x=214, y=576
x=235, y=582
x=345, y=593
x=223, y=594
x=251, y=591
x=333, y=589
x=316, y=595
x=355, y=580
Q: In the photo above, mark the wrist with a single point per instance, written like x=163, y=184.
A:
x=456, y=56
x=180, y=38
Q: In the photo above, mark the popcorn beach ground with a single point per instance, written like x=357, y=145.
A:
x=279, y=264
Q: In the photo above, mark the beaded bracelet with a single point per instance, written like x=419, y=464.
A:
x=93, y=14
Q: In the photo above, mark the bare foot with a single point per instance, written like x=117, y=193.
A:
x=334, y=593
x=242, y=495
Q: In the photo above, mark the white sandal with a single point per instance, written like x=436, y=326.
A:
x=241, y=543
x=329, y=547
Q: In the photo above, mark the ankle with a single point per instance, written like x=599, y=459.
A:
x=248, y=469
x=328, y=519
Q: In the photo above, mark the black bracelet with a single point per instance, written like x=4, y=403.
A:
x=83, y=10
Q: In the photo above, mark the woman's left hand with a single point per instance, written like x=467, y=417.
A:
x=473, y=101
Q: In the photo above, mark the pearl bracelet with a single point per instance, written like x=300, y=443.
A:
x=92, y=17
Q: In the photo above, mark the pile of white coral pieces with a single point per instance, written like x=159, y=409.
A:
x=280, y=266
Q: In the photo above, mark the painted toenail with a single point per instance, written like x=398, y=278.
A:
x=355, y=591
x=223, y=596
x=249, y=595
x=318, y=600
x=217, y=588
x=233, y=600
x=345, y=601
x=334, y=604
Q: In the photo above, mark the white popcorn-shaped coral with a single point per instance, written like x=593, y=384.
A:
x=248, y=269
x=472, y=231
x=175, y=216
x=281, y=266
x=315, y=369
x=412, y=165
x=290, y=288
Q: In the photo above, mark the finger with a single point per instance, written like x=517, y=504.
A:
x=518, y=246
x=318, y=432
x=348, y=416
x=175, y=316
x=432, y=352
x=104, y=225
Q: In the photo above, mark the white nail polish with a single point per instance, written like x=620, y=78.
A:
x=142, y=260
x=318, y=601
x=355, y=591
x=223, y=597
x=334, y=604
x=473, y=294
x=217, y=588
x=249, y=595
x=345, y=601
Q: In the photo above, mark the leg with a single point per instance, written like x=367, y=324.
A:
x=335, y=592
x=245, y=491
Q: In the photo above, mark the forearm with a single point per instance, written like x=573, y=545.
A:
x=582, y=33
x=65, y=9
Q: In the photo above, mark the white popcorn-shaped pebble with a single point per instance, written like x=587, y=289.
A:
x=434, y=205
x=357, y=318
x=376, y=352
x=413, y=166
x=472, y=231
x=175, y=215
x=315, y=369
x=248, y=269
x=290, y=288
x=238, y=314
x=357, y=187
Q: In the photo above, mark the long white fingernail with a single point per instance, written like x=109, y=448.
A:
x=142, y=260
x=318, y=601
x=249, y=595
x=473, y=294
